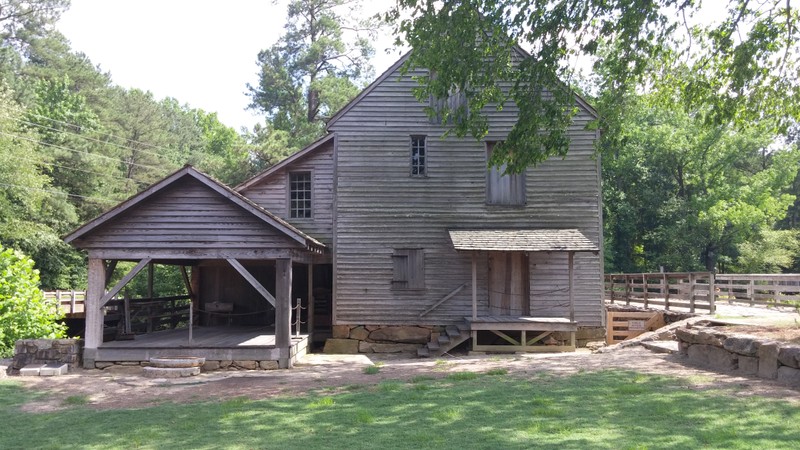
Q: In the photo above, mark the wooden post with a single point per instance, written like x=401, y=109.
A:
x=150, y=271
x=126, y=305
x=95, y=289
x=751, y=292
x=310, y=307
x=666, y=292
x=571, y=262
x=299, y=309
x=691, y=291
x=611, y=281
x=283, y=310
x=644, y=289
x=627, y=290
x=712, y=293
x=474, y=286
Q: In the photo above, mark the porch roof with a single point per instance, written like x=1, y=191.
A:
x=551, y=240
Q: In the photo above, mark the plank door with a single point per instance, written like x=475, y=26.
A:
x=509, y=287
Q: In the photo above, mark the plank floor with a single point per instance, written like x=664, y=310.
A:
x=202, y=337
x=517, y=319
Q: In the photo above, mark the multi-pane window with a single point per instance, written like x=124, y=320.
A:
x=503, y=188
x=300, y=194
x=408, y=268
x=419, y=156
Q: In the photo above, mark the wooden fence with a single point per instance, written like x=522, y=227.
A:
x=689, y=291
x=71, y=302
x=760, y=289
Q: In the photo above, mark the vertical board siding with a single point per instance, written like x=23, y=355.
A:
x=381, y=208
x=187, y=216
x=272, y=193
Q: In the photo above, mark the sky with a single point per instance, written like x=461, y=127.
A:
x=197, y=51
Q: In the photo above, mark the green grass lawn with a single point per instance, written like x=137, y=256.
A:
x=609, y=409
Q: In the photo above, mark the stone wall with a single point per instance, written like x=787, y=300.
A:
x=46, y=351
x=742, y=354
x=209, y=365
x=349, y=339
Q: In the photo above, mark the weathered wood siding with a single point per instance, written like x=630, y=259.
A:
x=272, y=193
x=186, y=220
x=380, y=208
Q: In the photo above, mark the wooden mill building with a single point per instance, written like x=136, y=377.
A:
x=391, y=236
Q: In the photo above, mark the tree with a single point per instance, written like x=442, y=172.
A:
x=744, y=68
x=24, y=311
x=312, y=71
x=20, y=20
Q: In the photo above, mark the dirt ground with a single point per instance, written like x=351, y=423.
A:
x=124, y=387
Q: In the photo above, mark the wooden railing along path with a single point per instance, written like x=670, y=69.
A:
x=690, y=291
x=701, y=290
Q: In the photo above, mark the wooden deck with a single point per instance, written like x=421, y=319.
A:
x=514, y=332
x=213, y=343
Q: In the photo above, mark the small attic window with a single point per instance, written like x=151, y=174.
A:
x=300, y=195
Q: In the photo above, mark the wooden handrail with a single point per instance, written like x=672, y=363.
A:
x=444, y=299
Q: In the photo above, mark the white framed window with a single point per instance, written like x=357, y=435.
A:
x=300, y=195
x=419, y=156
x=408, y=268
x=503, y=188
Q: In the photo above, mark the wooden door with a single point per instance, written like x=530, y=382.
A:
x=509, y=287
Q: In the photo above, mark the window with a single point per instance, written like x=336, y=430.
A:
x=409, y=269
x=418, y=156
x=300, y=195
x=503, y=188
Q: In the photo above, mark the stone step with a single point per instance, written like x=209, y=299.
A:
x=444, y=340
x=177, y=362
x=661, y=346
x=452, y=331
x=170, y=372
x=31, y=370
x=53, y=369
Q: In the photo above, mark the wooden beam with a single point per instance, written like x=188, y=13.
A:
x=252, y=280
x=95, y=288
x=110, y=268
x=283, y=310
x=125, y=280
x=474, y=286
x=150, y=276
x=310, y=306
x=187, y=282
x=571, y=259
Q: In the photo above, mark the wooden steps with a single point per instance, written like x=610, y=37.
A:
x=453, y=336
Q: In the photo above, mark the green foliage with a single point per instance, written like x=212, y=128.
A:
x=740, y=71
x=311, y=72
x=773, y=251
x=24, y=312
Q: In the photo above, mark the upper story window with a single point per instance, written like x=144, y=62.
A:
x=299, y=195
x=503, y=188
x=419, y=156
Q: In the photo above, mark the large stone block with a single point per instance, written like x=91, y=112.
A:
x=210, y=365
x=742, y=344
x=789, y=375
x=768, y=360
x=700, y=336
x=748, y=365
x=340, y=331
x=247, y=365
x=405, y=334
x=713, y=357
x=341, y=346
x=269, y=365
x=359, y=333
x=790, y=356
x=377, y=347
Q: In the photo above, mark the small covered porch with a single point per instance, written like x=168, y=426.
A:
x=512, y=324
x=190, y=221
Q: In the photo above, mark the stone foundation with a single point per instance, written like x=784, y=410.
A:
x=46, y=351
x=208, y=366
x=351, y=339
x=745, y=355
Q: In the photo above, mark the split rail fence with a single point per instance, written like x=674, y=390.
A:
x=692, y=291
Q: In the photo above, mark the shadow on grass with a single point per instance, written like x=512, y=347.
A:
x=608, y=409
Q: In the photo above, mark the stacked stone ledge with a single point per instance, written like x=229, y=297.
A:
x=207, y=366
x=743, y=354
x=46, y=351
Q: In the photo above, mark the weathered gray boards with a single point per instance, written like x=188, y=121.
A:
x=370, y=214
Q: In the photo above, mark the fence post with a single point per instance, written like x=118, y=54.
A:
x=644, y=289
x=665, y=281
x=627, y=290
x=712, y=293
x=751, y=291
x=72, y=301
x=691, y=292
x=611, y=280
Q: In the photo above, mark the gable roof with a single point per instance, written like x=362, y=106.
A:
x=311, y=148
x=234, y=197
x=521, y=51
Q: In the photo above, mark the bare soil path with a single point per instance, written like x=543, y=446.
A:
x=126, y=388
